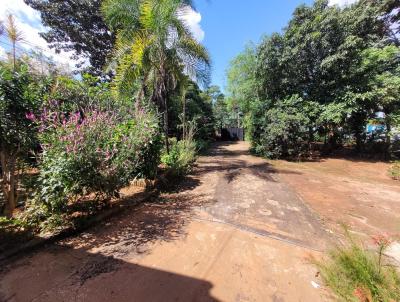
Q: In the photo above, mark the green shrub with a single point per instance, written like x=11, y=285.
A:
x=181, y=157
x=357, y=274
x=394, y=170
x=281, y=131
x=20, y=92
x=71, y=94
x=94, y=153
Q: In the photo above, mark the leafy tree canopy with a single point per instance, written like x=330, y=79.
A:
x=78, y=26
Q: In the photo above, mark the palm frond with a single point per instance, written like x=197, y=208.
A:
x=194, y=49
x=154, y=44
x=121, y=14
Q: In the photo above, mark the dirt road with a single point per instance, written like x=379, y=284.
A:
x=233, y=231
x=355, y=192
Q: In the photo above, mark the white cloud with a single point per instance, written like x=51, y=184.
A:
x=342, y=2
x=29, y=23
x=192, y=20
x=19, y=9
x=3, y=53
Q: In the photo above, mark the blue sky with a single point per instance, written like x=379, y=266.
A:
x=224, y=26
x=29, y=24
x=228, y=25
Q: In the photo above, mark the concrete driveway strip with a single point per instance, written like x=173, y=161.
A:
x=233, y=231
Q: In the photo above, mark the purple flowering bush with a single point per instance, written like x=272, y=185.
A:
x=94, y=152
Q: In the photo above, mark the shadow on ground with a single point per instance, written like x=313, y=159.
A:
x=64, y=274
x=92, y=266
x=228, y=161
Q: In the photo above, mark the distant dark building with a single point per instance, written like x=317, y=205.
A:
x=232, y=134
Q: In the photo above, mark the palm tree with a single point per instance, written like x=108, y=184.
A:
x=14, y=35
x=154, y=48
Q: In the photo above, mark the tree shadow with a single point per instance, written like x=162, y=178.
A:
x=92, y=266
x=62, y=273
x=176, y=184
x=234, y=167
x=219, y=149
x=345, y=153
x=162, y=218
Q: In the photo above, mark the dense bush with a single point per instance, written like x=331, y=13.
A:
x=72, y=94
x=94, y=153
x=343, y=59
x=181, y=156
x=20, y=92
x=283, y=130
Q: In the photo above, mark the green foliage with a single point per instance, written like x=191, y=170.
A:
x=394, y=170
x=6, y=223
x=181, y=157
x=224, y=116
x=144, y=51
x=182, y=153
x=242, y=83
x=199, y=109
x=344, y=62
x=225, y=110
x=357, y=274
x=70, y=95
x=202, y=145
x=282, y=130
x=20, y=94
x=78, y=26
x=381, y=66
x=146, y=60
x=97, y=154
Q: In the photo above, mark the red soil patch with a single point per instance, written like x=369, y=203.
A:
x=359, y=194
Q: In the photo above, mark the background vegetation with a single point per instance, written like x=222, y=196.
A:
x=319, y=83
x=74, y=140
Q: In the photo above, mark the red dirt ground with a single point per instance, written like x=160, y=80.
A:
x=357, y=193
x=239, y=228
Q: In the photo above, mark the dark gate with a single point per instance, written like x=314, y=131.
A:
x=232, y=134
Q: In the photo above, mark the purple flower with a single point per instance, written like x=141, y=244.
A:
x=30, y=116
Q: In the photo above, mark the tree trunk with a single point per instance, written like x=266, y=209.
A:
x=388, y=141
x=14, y=56
x=359, y=140
x=141, y=94
x=9, y=183
x=166, y=127
x=184, y=114
x=138, y=101
x=310, y=138
x=166, y=124
x=162, y=95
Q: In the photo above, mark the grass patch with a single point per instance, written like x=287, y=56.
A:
x=355, y=273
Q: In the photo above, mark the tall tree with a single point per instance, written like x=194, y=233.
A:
x=14, y=35
x=321, y=57
x=242, y=83
x=78, y=26
x=154, y=47
x=381, y=67
x=20, y=94
x=241, y=77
